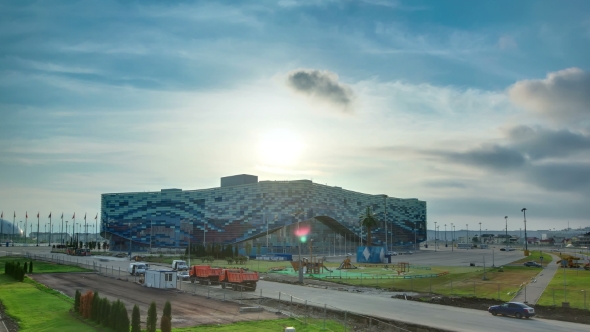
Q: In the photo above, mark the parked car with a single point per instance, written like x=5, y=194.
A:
x=532, y=264
x=507, y=249
x=516, y=309
x=182, y=275
x=392, y=253
x=408, y=252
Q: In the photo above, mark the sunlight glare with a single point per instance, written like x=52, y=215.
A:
x=280, y=147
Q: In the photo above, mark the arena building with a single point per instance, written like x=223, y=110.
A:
x=264, y=213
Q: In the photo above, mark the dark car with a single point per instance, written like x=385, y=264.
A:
x=532, y=264
x=516, y=309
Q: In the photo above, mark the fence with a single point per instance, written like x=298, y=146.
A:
x=308, y=312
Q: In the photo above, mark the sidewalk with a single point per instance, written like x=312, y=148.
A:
x=532, y=294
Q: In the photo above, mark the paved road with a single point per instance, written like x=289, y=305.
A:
x=451, y=318
x=532, y=292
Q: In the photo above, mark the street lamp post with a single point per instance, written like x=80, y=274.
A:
x=445, y=235
x=467, y=225
x=480, y=235
x=66, y=231
x=435, y=236
x=452, y=237
x=526, y=247
x=130, y=240
x=506, y=219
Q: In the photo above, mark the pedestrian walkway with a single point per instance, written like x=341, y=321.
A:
x=532, y=292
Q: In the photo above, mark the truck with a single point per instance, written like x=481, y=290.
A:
x=205, y=274
x=238, y=279
x=136, y=269
x=79, y=252
x=179, y=265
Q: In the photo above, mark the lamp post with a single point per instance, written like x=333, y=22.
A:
x=129, y=240
x=480, y=235
x=506, y=219
x=452, y=237
x=66, y=231
x=467, y=232
x=435, y=236
x=526, y=242
x=415, y=240
x=445, y=235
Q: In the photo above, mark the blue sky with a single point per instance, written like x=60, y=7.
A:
x=478, y=107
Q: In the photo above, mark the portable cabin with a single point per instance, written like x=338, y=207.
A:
x=160, y=279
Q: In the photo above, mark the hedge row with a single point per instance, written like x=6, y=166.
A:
x=14, y=270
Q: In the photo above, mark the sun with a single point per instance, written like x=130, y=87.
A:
x=280, y=147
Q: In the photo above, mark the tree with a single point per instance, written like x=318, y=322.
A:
x=98, y=245
x=26, y=267
x=152, y=318
x=165, y=324
x=167, y=309
x=368, y=221
x=95, y=307
x=77, y=301
x=31, y=267
x=135, y=320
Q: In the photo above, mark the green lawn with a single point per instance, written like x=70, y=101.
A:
x=37, y=308
x=40, y=266
x=267, y=325
x=577, y=284
x=536, y=256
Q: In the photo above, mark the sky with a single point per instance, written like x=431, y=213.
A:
x=479, y=108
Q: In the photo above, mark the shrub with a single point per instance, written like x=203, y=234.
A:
x=95, y=307
x=123, y=319
x=25, y=267
x=165, y=324
x=106, y=311
x=167, y=309
x=77, y=301
x=152, y=318
x=31, y=267
x=135, y=320
x=86, y=304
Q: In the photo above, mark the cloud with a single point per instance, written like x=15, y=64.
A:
x=539, y=143
x=321, y=84
x=492, y=157
x=561, y=176
x=507, y=43
x=563, y=95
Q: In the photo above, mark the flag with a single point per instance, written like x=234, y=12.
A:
x=74, y=217
x=96, y=217
x=84, y=216
x=26, y=214
x=2, y=216
x=37, y=214
x=62, y=215
x=49, y=215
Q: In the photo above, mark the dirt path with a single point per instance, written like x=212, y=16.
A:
x=187, y=310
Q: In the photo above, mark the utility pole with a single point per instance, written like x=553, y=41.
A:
x=526, y=244
x=506, y=219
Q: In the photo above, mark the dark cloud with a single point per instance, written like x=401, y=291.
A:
x=321, y=84
x=492, y=157
x=444, y=184
x=564, y=95
x=561, y=176
x=539, y=143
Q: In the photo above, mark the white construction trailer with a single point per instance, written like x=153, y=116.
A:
x=160, y=279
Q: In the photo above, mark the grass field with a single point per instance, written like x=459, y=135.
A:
x=40, y=266
x=577, y=284
x=37, y=308
x=536, y=256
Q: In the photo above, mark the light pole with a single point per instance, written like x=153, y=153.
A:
x=526, y=246
x=506, y=219
x=452, y=237
x=66, y=231
x=467, y=232
x=415, y=240
x=130, y=240
x=480, y=236
x=435, y=236
x=445, y=235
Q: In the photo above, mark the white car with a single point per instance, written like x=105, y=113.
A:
x=392, y=253
x=182, y=275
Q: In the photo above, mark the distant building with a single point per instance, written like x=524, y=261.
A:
x=244, y=209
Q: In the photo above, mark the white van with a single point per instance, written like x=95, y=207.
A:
x=137, y=268
x=179, y=265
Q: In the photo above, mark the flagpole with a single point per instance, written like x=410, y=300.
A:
x=2, y=223
x=37, y=229
x=50, y=232
x=96, y=224
x=61, y=236
x=13, y=221
x=26, y=221
x=74, y=228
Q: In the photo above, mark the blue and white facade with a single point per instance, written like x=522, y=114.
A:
x=244, y=209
